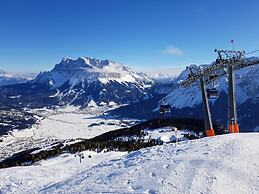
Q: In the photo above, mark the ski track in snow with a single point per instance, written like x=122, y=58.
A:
x=222, y=164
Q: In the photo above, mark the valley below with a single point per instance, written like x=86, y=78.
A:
x=67, y=124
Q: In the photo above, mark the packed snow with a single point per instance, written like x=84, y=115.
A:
x=34, y=179
x=221, y=164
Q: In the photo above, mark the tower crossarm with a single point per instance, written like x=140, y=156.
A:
x=204, y=72
x=217, y=70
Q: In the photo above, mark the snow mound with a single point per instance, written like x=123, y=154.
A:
x=168, y=138
x=222, y=164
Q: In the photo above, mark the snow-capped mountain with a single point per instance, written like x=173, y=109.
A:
x=78, y=82
x=86, y=69
x=10, y=78
x=186, y=102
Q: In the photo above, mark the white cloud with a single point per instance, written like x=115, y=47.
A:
x=111, y=68
x=172, y=50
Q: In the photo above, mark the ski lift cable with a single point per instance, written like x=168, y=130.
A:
x=244, y=55
x=252, y=52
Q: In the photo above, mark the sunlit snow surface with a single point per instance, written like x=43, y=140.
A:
x=221, y=164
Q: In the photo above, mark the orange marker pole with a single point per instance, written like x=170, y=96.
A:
x=210, y=132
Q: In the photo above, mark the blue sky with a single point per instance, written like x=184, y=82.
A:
x=144, y=34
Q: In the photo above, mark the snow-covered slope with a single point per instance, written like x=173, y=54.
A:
x=35, y=178
x=222, y=164
x=10, y=78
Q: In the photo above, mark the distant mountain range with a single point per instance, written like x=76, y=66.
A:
x=77, y=82
x=87, y=81
x=10, y=78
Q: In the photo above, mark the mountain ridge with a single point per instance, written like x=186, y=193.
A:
x=77, y=82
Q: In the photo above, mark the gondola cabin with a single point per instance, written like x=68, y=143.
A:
x=212, y=93
x=163, y=109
